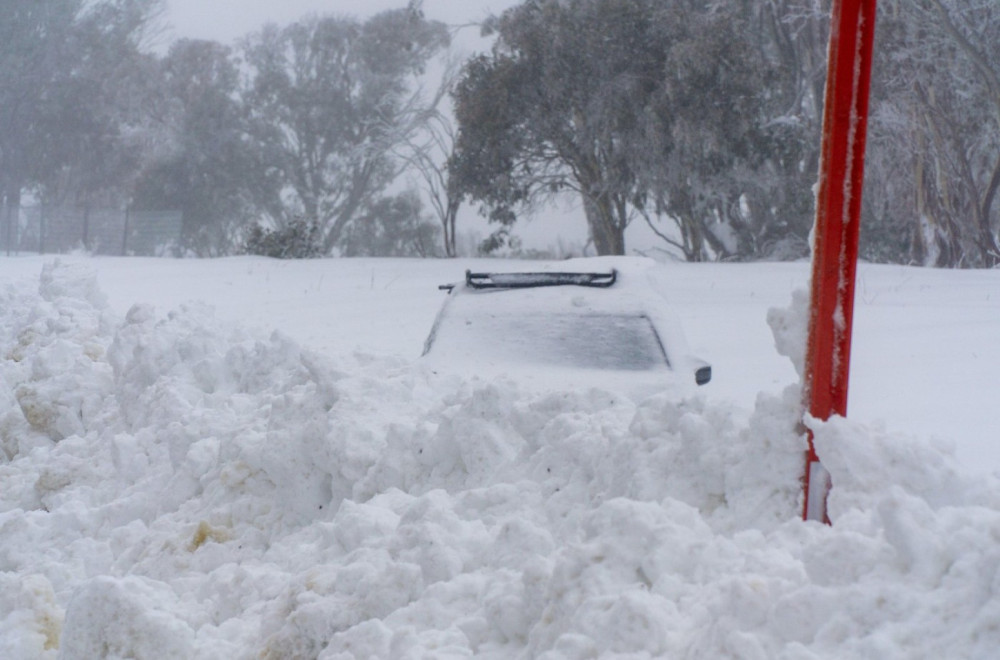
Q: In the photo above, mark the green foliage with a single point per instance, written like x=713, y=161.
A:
x=638, y=106
x=564, y=103
x=297, y=240
x=714, y=162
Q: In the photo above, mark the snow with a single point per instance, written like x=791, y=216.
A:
x=245, y=458
x=621, y=337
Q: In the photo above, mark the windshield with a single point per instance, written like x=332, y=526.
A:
x=590, y=341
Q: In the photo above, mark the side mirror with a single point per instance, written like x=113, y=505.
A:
x=703, y=374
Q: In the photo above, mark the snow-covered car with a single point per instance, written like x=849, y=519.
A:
x=576, y=324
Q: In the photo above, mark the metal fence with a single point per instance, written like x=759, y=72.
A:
x=44, y=229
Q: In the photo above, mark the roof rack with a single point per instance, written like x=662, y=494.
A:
x=529, y=280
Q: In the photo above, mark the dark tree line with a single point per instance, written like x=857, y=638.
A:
x=697, y=118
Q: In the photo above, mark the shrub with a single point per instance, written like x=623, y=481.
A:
x=296, y=240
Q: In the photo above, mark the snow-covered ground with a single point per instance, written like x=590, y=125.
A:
x=243, y=458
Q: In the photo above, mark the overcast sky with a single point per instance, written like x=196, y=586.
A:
x=228, y=20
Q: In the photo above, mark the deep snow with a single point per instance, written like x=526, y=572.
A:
x=274, y=474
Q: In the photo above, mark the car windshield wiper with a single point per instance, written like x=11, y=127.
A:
x=529, y=280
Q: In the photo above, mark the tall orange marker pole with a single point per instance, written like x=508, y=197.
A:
x=838, y=217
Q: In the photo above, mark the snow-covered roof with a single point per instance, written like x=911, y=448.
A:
x=555, y=334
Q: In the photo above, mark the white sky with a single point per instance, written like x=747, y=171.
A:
x=228, y=20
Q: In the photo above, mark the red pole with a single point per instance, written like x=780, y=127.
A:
x=838, y=217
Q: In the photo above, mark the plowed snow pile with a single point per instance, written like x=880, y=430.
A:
x=176, y=488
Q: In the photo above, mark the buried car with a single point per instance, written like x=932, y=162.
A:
x=577, y=325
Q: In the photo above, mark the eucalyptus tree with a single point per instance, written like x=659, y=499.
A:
x=708, y=172
x=426, y=155
x=640, y=107
x=936, y=131
x=393, y=226
x=32, y=62
x=561, y=104
x=331, y=98
x=70, y=77
x=207, y=166
x=790, y=38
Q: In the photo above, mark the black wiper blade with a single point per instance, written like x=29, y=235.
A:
x=529, y=280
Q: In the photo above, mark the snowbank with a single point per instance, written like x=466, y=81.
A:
x=178, y=488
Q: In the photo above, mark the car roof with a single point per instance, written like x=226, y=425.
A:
x=605, y=297
x=629, y=293
x=537, y=279
x=580, y=286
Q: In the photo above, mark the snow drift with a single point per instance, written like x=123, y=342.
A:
x=176, y=487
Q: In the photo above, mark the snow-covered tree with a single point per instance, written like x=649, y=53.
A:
x=333, y=97
x=426, y=156
x=640, y=107
x=208, y=168
x=712, y=149
x=561, y=104
x=936, y=131
x=70, y=78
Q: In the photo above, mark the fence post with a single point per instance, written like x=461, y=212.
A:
x=128, y=209
x=838, y=218
x=5, y=218
x=41, y=229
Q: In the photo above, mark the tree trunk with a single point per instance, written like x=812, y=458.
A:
x=608, y=235
x=42, y=228
x=4, y=219
x=926, y=245
x=9, y=212
x=988, y=240
x=448, y=224
x=86, y=227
